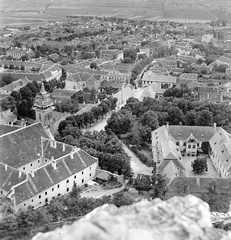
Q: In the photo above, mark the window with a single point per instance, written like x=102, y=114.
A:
x=39, y=202
x=52, y=189
x=82, y=180
x=82, y=172
x=75, y=177
x=184, y=144
x=58, y=186
x=67, y=180
x=45, y=193
x=24, y=204
x=31, y=164
x=23, y=168
x=67, y=189
x=177, y=143
x=32, y=200
x=90, y=168
x=194, y=146
x=90, y=174
x=38, y=161
x=189, y=146
x=39, y=196
x=222, y=151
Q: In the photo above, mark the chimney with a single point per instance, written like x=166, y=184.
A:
x=53, y=143
x=63, y=147
x=52, y=158
x=167, y=125
x=19, y=174
x=5, y=167
x=214, y=126
x=72, y=154
x=53, y=164
x=32, y=174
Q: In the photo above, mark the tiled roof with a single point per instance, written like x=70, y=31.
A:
x=16, y=85
x=188, y=76
x=201, y=133
x=9, y=177
x=47, y=176
x=22, y=146
x=150, y=76
x=7, y=128
x=60, y=150
x=224, y=60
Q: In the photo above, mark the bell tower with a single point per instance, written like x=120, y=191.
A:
x=43, y=106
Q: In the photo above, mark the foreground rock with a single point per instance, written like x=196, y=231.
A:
x=175, y=219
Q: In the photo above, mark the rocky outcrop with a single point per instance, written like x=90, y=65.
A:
x=179, y=218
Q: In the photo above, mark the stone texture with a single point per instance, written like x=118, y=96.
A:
x=179, y=218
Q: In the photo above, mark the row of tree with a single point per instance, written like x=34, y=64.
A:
x=138, y=119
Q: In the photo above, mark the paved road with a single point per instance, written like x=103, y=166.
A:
x=101, y=193
x=137, y=166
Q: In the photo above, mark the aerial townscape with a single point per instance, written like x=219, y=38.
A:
x=103, y=109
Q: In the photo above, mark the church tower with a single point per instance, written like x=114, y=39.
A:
x=43, y=106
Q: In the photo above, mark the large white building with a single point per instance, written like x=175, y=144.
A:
x=35, y=168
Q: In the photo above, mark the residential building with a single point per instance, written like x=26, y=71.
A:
x=187, y=78
x=14, y=86
x=224, y=60
x=220, y=153
x=34, y=168
x=149, y=77
x=17, y=53
x=170, y=143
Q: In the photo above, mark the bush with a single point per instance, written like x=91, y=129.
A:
x=142, y=157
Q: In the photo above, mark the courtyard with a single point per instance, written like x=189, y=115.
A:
x=211, y=173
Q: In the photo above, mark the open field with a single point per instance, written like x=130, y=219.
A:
x=30, y=11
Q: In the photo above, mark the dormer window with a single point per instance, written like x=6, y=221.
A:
x=202, y=136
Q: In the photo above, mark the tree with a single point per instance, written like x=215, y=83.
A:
x=205, y=147
x=150, y=119
x=159, y=186
x=75, y=193
x=204, y=118
x=120, y=200
x=11, y=67
x=7, y=79
x=22, y=68
x=199, y=165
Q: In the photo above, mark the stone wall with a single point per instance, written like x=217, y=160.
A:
x=179, y=218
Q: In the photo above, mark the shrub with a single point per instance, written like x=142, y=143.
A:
x=142, y=157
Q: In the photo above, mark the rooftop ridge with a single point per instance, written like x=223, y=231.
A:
x=22, y=128
x=48, y=175
x=32, y=183
x=68, y=169
x=11, y=172
x=81, y=158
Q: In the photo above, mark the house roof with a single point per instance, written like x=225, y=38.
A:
x=225, y=60
x=19, y=147
x=153, y=77
x=201, y=133
x=7, y=128
x=7, y=116
x=189, y=76
x=47, y=176
x=16, y=85
x=9, y=177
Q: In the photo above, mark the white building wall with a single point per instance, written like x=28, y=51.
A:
x=61, y=188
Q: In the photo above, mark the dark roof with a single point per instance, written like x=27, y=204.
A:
x=183, y=132
x=9, y=177
x=22, y=146
x=7, y=128
x=47, y=176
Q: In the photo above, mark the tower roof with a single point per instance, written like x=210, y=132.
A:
x=43, y=99
x=42, y=90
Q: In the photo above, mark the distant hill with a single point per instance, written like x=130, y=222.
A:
x=30, y=11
